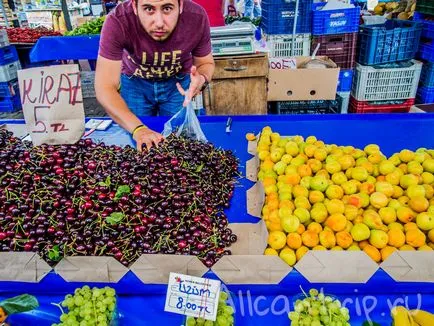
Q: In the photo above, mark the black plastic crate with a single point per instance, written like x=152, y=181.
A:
x=305, y=107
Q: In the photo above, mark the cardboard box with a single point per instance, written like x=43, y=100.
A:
x=303, y=84
x=422, y=108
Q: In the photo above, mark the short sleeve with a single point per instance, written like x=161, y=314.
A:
x=111, y=42
x=203, y=48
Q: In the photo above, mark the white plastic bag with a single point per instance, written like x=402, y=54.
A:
x=186, y=124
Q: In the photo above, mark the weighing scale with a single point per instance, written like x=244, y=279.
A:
x=233, y=39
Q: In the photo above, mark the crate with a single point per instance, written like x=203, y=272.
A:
x=397, y=40
x=278, y=16
x=8, y=54
x=345, y=80
x=425, y=95
x=338, y=21
x=281, y=45
x=343, y=99
x=402, y=106
x=10, y=104
x=426, y=51
x=88, y=84
x=4, y=40
x=425, y=6
x=341, y=48
x=9, y=89
x=305, y=107
x=10, y=71
x=386, y=82
x=427, y=75
x=428, y=25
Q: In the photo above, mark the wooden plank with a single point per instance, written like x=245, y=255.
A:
x=241, y=66
x=242, y=96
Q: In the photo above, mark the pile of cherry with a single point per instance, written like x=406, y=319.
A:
x=92, y=199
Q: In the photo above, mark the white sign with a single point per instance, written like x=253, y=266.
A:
x=52, y=104
x=282, y=63
x=192, y=296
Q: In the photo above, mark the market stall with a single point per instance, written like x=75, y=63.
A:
x=372, y=300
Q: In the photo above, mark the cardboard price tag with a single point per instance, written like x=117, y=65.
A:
x=52, y=104
x=192, y=296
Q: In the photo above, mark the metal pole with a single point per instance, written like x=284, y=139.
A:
x=294, y=28
x=66, y=15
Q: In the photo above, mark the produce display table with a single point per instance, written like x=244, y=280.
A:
x=65, y=48
x=143, y=304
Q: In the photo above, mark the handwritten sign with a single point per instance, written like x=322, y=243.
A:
x=192, y=296
x=282, y=63
x=52, y=104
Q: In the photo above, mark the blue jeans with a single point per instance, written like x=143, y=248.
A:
x=151, y=98
x=251, y=9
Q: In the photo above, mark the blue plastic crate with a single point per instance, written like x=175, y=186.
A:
x=426, y=51
x=425, y=95
x=428, y=24
x=427, y=75
x=278, y=17
x=338, y=21
x=396, y=40
x=8, y=54
x=10, y=104
x=9, y=89
x=345, y=80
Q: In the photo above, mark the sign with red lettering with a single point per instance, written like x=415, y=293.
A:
x=282, y=63
x=52, y=104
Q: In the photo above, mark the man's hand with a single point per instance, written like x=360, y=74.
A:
x=196, y=82
x=147, y=137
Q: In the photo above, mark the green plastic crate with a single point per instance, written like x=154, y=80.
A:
x=425, y=6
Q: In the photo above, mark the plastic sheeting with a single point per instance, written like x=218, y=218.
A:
x=65, y=48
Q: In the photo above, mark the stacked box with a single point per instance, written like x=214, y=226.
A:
x=386, y=76
x=278, y=16
x=425, y=93
x=9, y=66
x=336, y=32
x=280, y=45
x=385, y=88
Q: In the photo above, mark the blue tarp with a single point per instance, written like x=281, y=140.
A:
x=143, y=304
x=52, y=48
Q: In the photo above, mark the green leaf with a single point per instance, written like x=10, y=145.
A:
x=53, y=253
x=106, y=183
x=115, y=218
x=199, y=168
x=122, y=190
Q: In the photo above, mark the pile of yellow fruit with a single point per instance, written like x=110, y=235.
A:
x=404, y=9
x=329, y=197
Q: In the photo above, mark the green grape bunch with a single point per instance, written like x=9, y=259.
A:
x=225, y=315
x=317, y=309
x=88, y=307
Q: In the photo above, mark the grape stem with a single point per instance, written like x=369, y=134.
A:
x=58, y=306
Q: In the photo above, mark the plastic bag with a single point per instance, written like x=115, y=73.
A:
x=186, y=124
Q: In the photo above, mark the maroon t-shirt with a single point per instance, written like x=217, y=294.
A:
x=123, y=38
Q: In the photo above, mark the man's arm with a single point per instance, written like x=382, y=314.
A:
x=107, y=79
x=201, y=72
x=205, y=66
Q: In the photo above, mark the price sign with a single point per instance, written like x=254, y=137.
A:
x=192, y=296
x=283, y=63
x=52, y=104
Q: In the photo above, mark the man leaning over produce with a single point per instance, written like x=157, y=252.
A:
x=155, y=50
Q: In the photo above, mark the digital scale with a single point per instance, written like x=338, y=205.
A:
x=233, y=39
